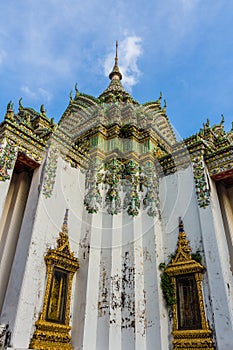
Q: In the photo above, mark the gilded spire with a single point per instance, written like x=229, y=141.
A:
x=65, y=222
x=183, y=248
x=183, y=243
x=115, y=73
x=115, y=91
x=63, y=240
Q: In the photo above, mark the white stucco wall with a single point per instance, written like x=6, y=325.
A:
x=217, y=262
x=178, y=199
x=205, y=231
x=119, y=258
x=47, y=220
x=118, y=297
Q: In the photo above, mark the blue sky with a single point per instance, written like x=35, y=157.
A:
x=183, y=48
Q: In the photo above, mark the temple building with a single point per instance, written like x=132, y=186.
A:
x=114, y=235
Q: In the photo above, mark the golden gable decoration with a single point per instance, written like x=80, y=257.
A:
x=191, y=330
x=52, y=328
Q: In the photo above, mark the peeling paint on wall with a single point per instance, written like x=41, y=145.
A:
x=127, y=295
x=115, y=297
x=147, y=255
x=103, y=302
x=85, y=245
x=117, y=292
x=142, y=314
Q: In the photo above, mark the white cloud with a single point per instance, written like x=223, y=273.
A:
x=27, y=91
x=189, y=5
x=46, y=95
x=130, y=49
x=40, y=94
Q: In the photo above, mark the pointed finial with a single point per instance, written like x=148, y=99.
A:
x=183, y=243
x=71, y=97
x=65, y=222
x=222, y=120
x=42, y=109
x=63, y=240
x=76, y=89
x=116, y=57
x=207, y=124
x=10, y=106
x=10, y=110
x=20, y=103
x=181, y=225
x=115, y=73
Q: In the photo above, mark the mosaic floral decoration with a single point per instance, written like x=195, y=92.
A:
x=120, y=179
x=50, y=172
x=93, y=199
x=201, y=181
x=8, y=153
x=112, y=179
x=151, y=199
x=131, y=201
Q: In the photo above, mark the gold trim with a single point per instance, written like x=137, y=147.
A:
x=183, y=264
x=54, y=335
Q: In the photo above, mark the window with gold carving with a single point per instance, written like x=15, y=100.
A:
x=188, y=308
x=57, y=297
x=190, y=327
x=52, y=328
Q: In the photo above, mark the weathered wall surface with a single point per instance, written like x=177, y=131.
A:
x=205, y=231
x=117, y=301
x=219, y=274
x=40, y=229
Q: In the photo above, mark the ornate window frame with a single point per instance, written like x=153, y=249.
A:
x=54, y=332
x=184, y=265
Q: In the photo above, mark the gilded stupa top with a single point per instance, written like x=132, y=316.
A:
x=115, y=73
x=115, y=106
x=115, y=91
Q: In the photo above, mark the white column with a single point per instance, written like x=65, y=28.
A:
x=162, y=312
x=5, y=213
x=4, y=187
x=12, y=229
x=90, y=325
x=12, y=296
x=103, y=300
x=116, y=285
x=153, y=255
x=128, y=284
x=217, y=264
x=140, y=293
x=227, y=213
x=80, y=293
